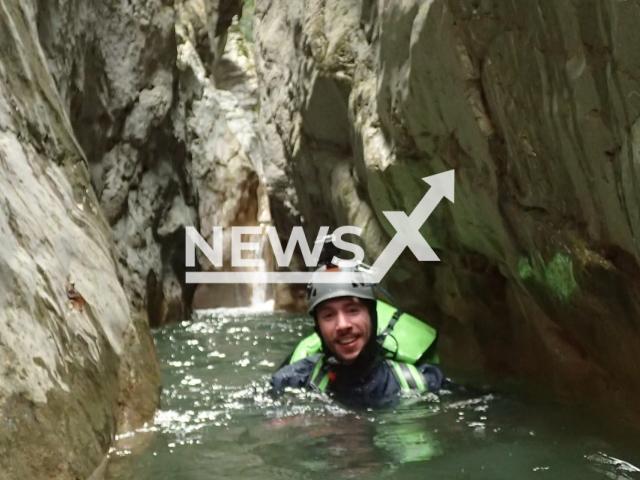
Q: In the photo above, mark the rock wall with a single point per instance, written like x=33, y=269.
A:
x=76, y=364
x=535, y=106
x=113, y=137
x=164, y=142
x=217, y=118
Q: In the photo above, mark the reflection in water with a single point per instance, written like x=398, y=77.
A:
x=405, y=437
x=219, y=421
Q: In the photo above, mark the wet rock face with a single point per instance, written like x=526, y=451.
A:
x=534, y=105
x=112, y=139
x=76, y=364
x=137, y=78
x=114, y=65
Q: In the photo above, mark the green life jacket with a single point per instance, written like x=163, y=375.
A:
x=408, y=376
x=403, y=337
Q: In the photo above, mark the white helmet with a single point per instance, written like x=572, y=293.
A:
x=318, y=292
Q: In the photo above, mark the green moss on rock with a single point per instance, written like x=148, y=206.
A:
x=557, y=275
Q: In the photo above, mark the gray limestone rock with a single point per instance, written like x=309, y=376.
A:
x=106, y=154
x=535, y=106
x=76, y=364
x=165, y=142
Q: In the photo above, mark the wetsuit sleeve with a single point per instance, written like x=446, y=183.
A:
x=433, y=378
x=296, y=375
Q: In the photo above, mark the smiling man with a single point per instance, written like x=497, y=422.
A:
x=345, y=326
x=352, y=366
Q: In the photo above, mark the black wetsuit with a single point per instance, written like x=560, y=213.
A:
x=371, y=385
x=369, y=381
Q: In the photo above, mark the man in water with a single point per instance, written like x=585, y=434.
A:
x=352, y=366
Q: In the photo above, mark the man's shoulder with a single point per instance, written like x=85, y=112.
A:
x=295, y=375
x=433, y=376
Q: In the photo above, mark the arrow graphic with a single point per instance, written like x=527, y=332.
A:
x=408, y=227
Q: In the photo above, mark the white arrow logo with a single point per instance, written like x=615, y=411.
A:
x=408, y=228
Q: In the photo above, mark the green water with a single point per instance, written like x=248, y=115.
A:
x=217, y=421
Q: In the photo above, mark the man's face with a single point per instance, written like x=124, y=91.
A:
x=345, y=326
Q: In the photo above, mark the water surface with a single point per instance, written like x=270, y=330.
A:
x=218, y=421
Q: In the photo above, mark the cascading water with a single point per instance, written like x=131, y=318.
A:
x=259, y=289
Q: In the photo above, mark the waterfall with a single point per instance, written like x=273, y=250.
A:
x=259, y=290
